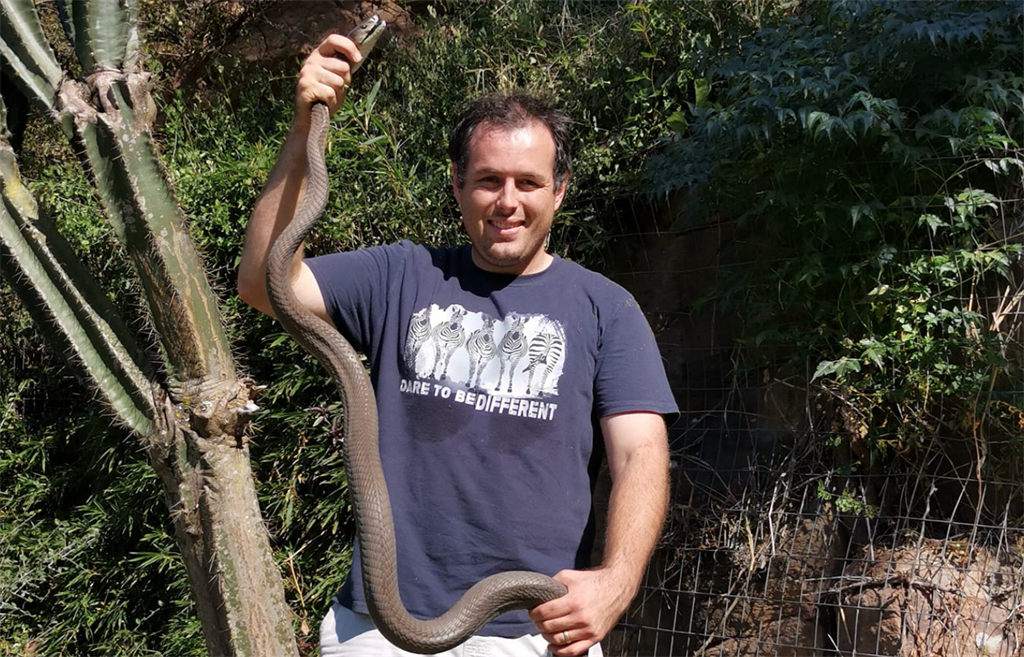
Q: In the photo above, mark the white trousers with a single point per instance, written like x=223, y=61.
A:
x=345, y=633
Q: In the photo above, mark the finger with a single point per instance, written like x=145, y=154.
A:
x=555, y=626
x=337, y=45
x=331, y=96
x=557, y=639
x=565, y=645
x=316, y=83
x=329, y=65
x=337, y=65
x=551, y=610
x=317, y=66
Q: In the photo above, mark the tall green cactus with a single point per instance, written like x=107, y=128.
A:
x=191, y=418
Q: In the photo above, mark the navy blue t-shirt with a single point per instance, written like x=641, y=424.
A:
x=489, y=388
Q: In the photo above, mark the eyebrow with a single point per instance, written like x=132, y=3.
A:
x=521, y=174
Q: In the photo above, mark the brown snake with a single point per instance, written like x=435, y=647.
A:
x=486, y=599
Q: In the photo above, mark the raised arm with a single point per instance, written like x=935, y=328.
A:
x=325, y=76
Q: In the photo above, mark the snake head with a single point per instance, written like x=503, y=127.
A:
x=366, y=34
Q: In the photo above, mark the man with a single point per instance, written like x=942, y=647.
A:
x=494, y=365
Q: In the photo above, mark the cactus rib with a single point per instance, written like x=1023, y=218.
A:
x=24, y=47
x=101, y=29
x=49, y=275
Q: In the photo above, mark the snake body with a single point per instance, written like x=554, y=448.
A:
x=488, y=598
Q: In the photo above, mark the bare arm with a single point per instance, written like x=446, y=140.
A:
x=637, y=446
x=325, y=76
x=637, y=449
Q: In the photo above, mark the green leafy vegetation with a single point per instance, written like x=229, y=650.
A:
x=868, y=155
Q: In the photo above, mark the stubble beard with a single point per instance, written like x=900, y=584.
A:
x=506, y=258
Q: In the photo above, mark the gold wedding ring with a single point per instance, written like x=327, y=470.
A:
x=565, y=637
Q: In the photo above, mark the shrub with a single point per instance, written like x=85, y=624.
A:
x=869, y=154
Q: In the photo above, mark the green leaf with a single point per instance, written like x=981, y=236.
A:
x=677, y=121
x=860, y=210
x=873, y=351
x=838, y=367
x=701, y=90
x=371, y=98
x=933, y=222
x=815, y=120
x=824, y=368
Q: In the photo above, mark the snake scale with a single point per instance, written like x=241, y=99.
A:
x=488, y=598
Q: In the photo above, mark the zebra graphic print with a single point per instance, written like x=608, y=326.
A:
x=511, y=351
x=448, y=336
x=419, y=333
x=481, y=350
x=546, y=348
x=459, y=346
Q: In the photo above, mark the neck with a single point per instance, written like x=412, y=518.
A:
x=535, y=265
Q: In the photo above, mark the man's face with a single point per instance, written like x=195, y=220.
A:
x=509, y=197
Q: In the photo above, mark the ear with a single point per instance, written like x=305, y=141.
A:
x=455, y=184
x=560, y=193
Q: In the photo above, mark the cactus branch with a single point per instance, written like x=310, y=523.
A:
x=115, y=146
x=66, y=23
x=102, y=32
x=5, y=134
x=49, y=276
x=28, y=56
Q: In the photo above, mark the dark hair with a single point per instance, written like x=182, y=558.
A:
x=510, y=109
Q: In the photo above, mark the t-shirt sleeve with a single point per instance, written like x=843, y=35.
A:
x=630, y=372
x=354, y=287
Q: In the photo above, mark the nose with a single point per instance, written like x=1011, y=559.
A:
x=508, y=196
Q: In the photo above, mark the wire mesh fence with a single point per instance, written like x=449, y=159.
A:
x=770, y=568
x=787, y=535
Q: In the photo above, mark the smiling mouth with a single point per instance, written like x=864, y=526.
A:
x=504, y=225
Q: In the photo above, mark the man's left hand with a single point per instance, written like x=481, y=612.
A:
x=585, y=614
